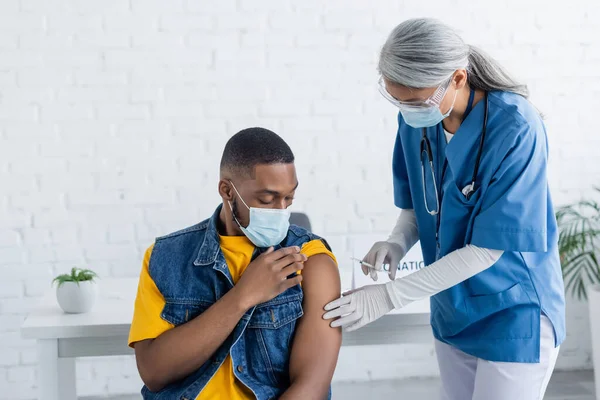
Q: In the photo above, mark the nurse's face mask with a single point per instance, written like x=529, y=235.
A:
x=421, y=113
x=267, y=226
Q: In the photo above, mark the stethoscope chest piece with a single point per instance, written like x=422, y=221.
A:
x=468, y=190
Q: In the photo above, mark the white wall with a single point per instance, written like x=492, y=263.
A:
x=113, y=115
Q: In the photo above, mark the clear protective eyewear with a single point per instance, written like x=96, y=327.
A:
x=432, y=101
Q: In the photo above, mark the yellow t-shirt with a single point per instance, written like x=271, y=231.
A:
x=149, y=303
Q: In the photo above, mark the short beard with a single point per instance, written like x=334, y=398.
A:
x=234, y=211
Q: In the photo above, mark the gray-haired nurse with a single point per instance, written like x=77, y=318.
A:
x=470, y=178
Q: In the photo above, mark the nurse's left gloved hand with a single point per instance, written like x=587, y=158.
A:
x=383, y=253
x=359, y=307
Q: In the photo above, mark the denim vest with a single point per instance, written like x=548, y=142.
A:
x=190, y=271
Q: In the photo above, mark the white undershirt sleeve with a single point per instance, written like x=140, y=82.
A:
x=448, y=271
x=405, y=233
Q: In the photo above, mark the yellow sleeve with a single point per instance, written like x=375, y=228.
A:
x=149, y=303
x=315, y=247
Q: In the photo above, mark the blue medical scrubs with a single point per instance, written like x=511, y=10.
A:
x=494, y=315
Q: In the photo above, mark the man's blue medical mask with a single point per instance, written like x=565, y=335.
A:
x=267, y=227
x=426, y=116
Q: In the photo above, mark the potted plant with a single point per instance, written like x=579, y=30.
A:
x=76, y=292
x=579, y=249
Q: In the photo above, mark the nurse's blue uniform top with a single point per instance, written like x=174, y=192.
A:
x=494, y=315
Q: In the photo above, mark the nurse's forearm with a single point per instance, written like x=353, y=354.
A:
x=448, y=271
x=405, y=233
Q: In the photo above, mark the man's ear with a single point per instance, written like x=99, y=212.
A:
x=225, y=190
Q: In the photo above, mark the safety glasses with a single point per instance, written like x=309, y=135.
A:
x=432, y=101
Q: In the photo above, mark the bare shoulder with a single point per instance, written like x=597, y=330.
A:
x=321, y=277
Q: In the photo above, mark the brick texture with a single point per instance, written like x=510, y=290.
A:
x=113, y=116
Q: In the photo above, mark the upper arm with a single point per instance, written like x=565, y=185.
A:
x=316, y=345
x=514, y=212
x=149, y=303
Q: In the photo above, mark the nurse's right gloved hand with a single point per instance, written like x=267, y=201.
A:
x=383, y=253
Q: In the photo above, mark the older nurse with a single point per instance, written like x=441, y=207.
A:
x=470, y=178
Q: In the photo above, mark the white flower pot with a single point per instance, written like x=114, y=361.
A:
x=76, y=298
x=594, y=306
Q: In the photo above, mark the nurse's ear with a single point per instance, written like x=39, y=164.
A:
x=459, y=80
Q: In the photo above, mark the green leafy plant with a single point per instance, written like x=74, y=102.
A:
x=77, y=275
x=578, y=245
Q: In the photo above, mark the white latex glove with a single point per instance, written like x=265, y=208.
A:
x=383, y=253
x=363, y=306
x=359, y=308
x=446, y=272
x=404, y=235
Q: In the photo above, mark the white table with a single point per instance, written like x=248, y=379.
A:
x=104, y=330
x=61, y=337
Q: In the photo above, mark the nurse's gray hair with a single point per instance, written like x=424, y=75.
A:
x=424, y=53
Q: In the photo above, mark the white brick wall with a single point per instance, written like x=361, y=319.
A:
x=113, y=115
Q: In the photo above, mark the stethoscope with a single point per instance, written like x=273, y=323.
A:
x=425, y=146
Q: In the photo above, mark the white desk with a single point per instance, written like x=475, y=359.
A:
x=61, y=337
x=104, y=330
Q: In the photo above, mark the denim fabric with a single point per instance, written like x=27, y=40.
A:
x=190, y=271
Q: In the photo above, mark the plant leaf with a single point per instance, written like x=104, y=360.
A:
x=578, y=243
x=77, y=275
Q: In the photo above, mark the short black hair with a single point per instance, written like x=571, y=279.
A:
x=254, y=146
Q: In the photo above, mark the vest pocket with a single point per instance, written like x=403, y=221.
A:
x=178, y=313
x=276, y=313
x=269, y=337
